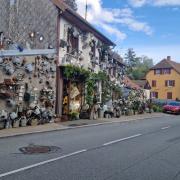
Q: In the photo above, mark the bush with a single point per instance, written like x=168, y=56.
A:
x=157, y=108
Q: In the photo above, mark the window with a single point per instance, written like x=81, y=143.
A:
x=153, y=83
x=169, y=95
x=154, y=95
x=157, y=71
x=166, y=71
x=12, y=2
x=170, y=83
x=93, y=48
x=73, y=42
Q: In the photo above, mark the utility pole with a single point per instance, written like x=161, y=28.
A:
x=86, y=9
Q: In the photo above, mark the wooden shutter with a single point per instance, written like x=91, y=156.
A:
x=166, y=83
x=169, y=95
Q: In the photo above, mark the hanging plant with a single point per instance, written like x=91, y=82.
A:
x=73, y=72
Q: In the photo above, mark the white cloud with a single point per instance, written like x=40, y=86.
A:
x=140, y=3
x=137, y=3
x=110, y=19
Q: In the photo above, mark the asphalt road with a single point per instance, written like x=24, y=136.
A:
x=137, y=150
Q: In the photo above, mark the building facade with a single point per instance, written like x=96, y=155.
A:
x=164, y=79
x=82, y=46
x=38, y=39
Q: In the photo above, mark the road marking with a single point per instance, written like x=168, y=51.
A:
x=167, y=127
x=41, y=163
x=123, y=139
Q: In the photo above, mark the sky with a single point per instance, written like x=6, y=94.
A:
x=150, y=27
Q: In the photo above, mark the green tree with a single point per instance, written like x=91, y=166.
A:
x=130, y=58
x=131, y=61
x=137, y=67
x=142, y=67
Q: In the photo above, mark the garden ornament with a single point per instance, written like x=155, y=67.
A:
x=32, y=106
x=3, y=115
x=9, y=69
x=17, y=61
x=53, y=69
x=10, y=103
x=1, y=60
x=29, y=68
x=13, y=115
x=37, y=111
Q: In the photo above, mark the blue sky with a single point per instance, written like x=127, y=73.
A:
x=151, y=27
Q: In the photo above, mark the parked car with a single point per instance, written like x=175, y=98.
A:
x=173, y=107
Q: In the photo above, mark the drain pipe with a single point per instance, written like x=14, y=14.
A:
x=59, y=76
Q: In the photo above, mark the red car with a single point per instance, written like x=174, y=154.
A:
x=173, y=107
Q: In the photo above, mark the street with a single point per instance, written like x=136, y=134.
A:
x=138, y=150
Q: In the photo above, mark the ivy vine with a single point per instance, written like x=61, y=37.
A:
x=72, y=73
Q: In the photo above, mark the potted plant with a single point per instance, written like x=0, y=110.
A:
x=73, y=116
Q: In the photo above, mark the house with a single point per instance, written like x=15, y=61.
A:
x=130, y=84
x=81, y=45
x=38, y=40
x=145, y=86
x=164, y=79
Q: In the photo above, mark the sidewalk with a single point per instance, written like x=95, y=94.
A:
x=73, y=124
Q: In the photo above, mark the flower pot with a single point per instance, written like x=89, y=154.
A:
x=16, y=123
x=34, y=122
x=23, y=122
x=2, y=125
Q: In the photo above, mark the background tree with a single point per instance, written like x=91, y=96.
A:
x=143, y=65
x=137, y=66
x=131, y=61
x=72, y=4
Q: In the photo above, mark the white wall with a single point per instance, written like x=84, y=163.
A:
x=86, y=62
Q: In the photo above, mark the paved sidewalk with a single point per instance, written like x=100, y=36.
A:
x=72, y=124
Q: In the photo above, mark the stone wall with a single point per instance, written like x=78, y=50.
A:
x=27, y=83
x=4, y=15
x=21, y=17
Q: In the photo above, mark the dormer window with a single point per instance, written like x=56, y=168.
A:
x=166, y=71
x=162, y=71
x=157, y=71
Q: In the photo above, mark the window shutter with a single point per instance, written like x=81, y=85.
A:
x=166, y=83
x=173, y=82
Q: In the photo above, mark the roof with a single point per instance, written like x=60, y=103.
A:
x=116, y=57
x=73, y=17
x=165, y=63
x=129, y=83
x=142, y=83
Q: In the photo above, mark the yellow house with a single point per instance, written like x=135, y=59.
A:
x=164, y=79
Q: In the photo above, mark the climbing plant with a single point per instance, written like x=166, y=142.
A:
x=73, y=72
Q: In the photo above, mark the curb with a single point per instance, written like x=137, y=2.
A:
x=77, y=127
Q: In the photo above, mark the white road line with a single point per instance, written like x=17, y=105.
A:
x=123, y=139
x=41, y=163
x=165, y=127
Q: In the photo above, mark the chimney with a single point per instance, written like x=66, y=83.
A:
x=169, y=58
